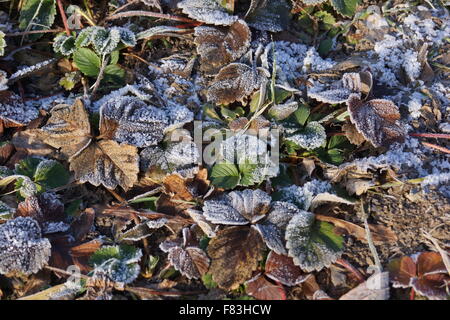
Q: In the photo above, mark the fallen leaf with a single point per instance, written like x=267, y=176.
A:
x=374, y=288
x=235, y=253
x=281, y=268
x=218, y=46
x=262, y=289
x=376, y=120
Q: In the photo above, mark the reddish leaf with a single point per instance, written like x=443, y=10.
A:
x=262, y=289
x=282, y=268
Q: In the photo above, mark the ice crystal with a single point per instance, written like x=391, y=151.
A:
x=311, y=137
x=22, y=248
x=13, y=110
x=302, y=196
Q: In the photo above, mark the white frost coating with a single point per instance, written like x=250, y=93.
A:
x=22, y=248
x=311, y=137
x=415, y=104
x=302, y=196
x=208, y=11
x=293, y=60
x=30, y=69
x=181, y=158
x=306, y=251
x=411, y=65
x=14, y=110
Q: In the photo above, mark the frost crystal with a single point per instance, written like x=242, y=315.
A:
x=22, y=248
x=15, y=113
x=302, y=196
x=311, y=137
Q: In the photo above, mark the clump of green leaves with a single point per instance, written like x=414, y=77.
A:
x=37, y=15
x=35, y=175
x=119, y=262
x=95, y=50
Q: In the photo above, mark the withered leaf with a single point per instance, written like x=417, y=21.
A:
x=281, y=268
x=108, y=163
x=13, y=112
x=97, y=161
x=235, y=82
x=235, y=253
x=218, y=46
x=352, y=134
x=425, y=272
x=376, y=120
x=375, y=288
x=130, y=120
x=192, y=262
x=262, y=289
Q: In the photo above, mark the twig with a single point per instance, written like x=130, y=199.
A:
x=100, y=75
x=65, y=272
x=351, y=268
x=372, y=247
x=129, y=14
x=434, y=146
x=431, y=135
x=63, y=17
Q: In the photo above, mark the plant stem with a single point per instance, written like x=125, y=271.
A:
x=63, y=16
x=25, y=33
x=434, y=146
x=431, y=135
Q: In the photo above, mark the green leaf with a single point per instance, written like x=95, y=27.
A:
x=209, y=110
x=37, y=15
x=87, y=61
x=311, y=137
x=338, y=142
x=69, y=80
x=323, y=232
x=225, y=175
x=247, y=174
x=51, y=174
x=281, y=95
x=302, y=114
x=345, y=7
x=27, y=167
x=208, y=281
x=326, y=19
x=114, y=73
x=114, y=57
x=325, y=46
x=6, y=212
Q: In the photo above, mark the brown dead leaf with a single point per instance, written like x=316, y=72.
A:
x=376, y=120
x=380, y=234
x=95, y=161
x=262, y=289
x=218, y=46
x=235, y=253
x=352, y=134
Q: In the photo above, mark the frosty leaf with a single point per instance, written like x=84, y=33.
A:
x=311, y=137
x=238, y=207
x=108, y=163
x=262, y=289
x=67, y=129
x=130, y=120
x=64, y=44
x=374, y=288
x=179, y=158
x=312, y=244
x=327, y=197
x=105, y=41
x=333, y=96
x=121, y=263
x=281, y=268
x=376, y=120
x=37, y=15
x=425, y=272
x=208, y=11
x=50, y=174
x=346, y=8
x=201, y=221
x=283, y=111
x=192, y=262
x=311, y=2
x=271, y=16
x=161, y=31
x=13, y=112
x=273, y=228
x=127, y=37
x=22, y=248
x=218, y=46
x=234, y=83
x=235, y=253
x=84, y=37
